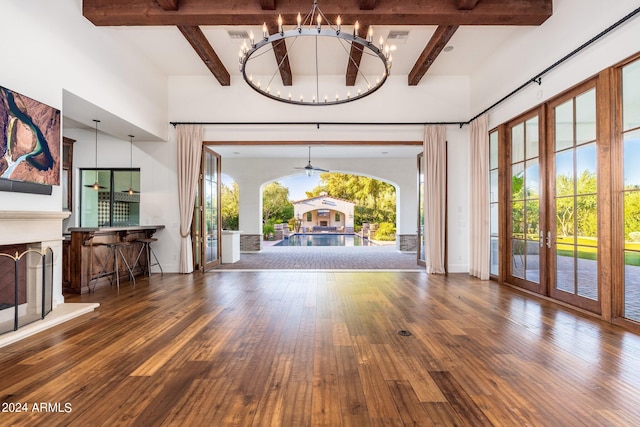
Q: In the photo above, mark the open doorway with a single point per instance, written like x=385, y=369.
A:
x=332, y=204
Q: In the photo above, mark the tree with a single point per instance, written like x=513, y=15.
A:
x=587, y=205
x=230, y=206
x=276, y=207
x=631, y=213
x=577, y=206
x=375, y=200
x=564, y=205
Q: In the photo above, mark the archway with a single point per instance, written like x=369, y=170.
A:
x=338, y=202
x=253, y=173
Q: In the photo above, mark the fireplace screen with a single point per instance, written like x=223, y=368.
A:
x=26, y=285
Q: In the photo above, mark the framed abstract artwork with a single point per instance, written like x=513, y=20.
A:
x=29, y=144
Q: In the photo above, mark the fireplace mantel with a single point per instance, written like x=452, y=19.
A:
x=38, y=230
x=31, y=226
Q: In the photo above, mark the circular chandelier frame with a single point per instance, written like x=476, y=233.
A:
x=258, y=47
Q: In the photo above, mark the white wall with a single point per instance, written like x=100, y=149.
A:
x=57, y=50
x=51, y=47
x=197, y=98
x=458, y=197
x=573, y=23
x=158, y=183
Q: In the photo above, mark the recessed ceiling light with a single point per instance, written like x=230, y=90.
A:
x=385, y=152
x=448, y=48
x=236, y=152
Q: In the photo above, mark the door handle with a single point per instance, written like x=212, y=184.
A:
x=541, y=238
x=549, y=239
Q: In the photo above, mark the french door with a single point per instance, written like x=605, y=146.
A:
x=527, y=244
x=206, y=218
x=573, y=208
x=553, y=200
x=421, y=253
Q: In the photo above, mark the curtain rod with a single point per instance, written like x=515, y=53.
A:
x=535, y=79
x=318, y=124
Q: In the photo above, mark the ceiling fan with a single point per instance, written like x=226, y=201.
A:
x=309, y=169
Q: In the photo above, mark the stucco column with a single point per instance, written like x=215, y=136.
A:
x=250, y=221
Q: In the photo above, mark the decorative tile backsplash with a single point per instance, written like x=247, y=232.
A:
x=120, y=210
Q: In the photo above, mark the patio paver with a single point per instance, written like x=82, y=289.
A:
x=326, y=258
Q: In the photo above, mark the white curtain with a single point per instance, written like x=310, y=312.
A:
x=479, y=203
x=435, y=197
x=189, y=155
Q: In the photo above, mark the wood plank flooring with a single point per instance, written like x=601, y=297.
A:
x=304, y=348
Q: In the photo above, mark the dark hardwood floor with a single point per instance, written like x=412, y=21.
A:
x=322, y=348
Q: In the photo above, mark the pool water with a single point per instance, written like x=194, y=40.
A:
x=324, y=240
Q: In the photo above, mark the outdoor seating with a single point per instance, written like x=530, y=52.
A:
x=323, y=229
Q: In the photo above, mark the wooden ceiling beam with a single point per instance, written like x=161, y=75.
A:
x=438, y=41
x=367, y=4
x=268, y=4
x=466, y=4
x=168, y=4
x=355, y=56
x=282, y=56
x=201, y=45
x=389, y=12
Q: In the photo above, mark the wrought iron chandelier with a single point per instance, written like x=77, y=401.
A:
x=315, y=24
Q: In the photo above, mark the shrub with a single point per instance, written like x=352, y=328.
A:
x=267, y=231
x=386, y=232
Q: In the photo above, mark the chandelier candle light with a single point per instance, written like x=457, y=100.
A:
x=313, y=25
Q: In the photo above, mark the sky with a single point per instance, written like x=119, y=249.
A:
x=297, y=184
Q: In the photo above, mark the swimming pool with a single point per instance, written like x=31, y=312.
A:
x=324, y=240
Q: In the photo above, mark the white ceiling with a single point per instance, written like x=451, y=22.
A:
x=168, y=49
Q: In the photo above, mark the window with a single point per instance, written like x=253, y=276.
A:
x=106, y=199
x=337, y=217
x=309, y=217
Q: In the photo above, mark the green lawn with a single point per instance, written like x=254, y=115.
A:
x=587, y=249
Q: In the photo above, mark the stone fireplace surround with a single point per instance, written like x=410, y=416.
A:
x=39, y=230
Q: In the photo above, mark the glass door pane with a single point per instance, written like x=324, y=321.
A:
x=631, y=189
x=421, y=256
x=524, y=205
x=211, y=208
x=196, y=230
x=575, y=203
x=493, y=203
x=95, y=198
x=126, y=197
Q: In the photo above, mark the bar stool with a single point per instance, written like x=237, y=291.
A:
x=103, y=269
x=116, y=248
x=115, y=252
x=148, y=250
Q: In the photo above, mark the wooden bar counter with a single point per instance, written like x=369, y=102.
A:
x=88, y=251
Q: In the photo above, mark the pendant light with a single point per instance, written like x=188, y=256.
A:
x=96, y=185
x=131, y=191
